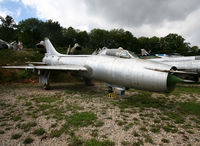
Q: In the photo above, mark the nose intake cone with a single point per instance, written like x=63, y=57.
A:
x=172, y=80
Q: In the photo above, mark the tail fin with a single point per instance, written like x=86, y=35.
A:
x=50, y=48
x=144, y=52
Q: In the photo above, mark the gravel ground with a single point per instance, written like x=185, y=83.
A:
x=124, y=122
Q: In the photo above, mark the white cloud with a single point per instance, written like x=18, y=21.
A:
x=149, y=19
x=67, y=12
x=4, y=12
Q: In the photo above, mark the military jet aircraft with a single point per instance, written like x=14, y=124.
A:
x=117, y=67
x=182, y=63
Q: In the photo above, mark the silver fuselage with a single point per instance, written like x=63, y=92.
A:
x=131, y=73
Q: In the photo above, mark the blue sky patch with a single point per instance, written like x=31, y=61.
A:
x=17, y=10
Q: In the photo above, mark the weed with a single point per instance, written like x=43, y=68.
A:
x=120, y=123
x=164, y=140
x=22, y=97
x=27, y=126
x=98, y=124
x=94, y=142
x=56, y=133
x=143, y=129
x=7, y=128
x=2, y=132
x=190, y=131
x=190, y=108
x=16, y=118
x=148, y=139
x=3, y=124
x=138, y=143
x=178, y=119
x=156, y=121
x=128, y=126
x=155, y=129
x=94, y=133
x=135, y=134
x=39, y=132
x=170, y=128
x=47, y=99
x=28, y=140
x=73, y=107
x=125, y=143
x=81, y=119
x=53, y=125
x=28, y=103
x=16, y=136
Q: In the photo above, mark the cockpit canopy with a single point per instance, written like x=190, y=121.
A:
x=120, y=52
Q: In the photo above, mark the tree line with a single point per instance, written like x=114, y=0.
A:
x=33, y=30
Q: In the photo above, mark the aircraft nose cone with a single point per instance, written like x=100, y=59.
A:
x=172, y=80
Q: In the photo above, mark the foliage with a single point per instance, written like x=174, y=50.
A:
x=33, y=30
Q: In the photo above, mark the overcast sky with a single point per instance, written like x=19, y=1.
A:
x=141, y=17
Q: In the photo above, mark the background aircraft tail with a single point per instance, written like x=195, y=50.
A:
x=50, y=48
x=144, y=52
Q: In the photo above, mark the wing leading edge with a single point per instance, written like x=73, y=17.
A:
x=50, y=67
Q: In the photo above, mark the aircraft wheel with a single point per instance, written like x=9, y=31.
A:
x=46, y=86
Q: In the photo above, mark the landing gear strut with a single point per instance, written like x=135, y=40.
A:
x=44, y=79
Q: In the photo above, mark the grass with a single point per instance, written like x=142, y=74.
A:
x=190, y=107
x=28, y=103
x=99, y=124
x=148, y=139
x=170, y=128
x=28, y=140
x=2, y=132
x=57, y=133
x=138, y=143
x=179, y=90
x=27, y=126
x=164, y=140
x=143, y=129
x=81, y=119
x=136, y=134
x=125, y=143
x=95, y=142
x=49, y=99
x=155, y=129
x=16, y=118
x=76, y=120
x=120, y=122
x=127, y=127
x=16, y=136
x=39, y=132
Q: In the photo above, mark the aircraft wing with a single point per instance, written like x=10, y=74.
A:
x=49, y=67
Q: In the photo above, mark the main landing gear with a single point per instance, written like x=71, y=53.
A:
x=44, y=79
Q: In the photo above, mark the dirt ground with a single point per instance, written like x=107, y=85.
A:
x=73, y=114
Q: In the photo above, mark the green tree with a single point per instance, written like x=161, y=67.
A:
x=83, y=38
x=53, y=31
x=7, y=29
x=69, y=36
x=29, y=31
x=154, y=45
x=98, y=39
x=174, y=43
